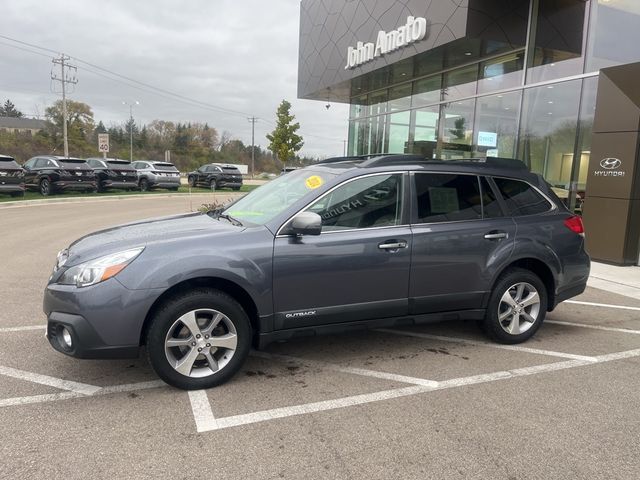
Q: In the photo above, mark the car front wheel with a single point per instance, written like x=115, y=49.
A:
x=517, y=307
x=45, y=187
x=144, y=185
x=199, y=339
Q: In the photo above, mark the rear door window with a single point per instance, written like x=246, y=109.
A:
x=521, y=198
x=447, y=197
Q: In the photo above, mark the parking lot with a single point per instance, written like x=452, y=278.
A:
x=433, y=401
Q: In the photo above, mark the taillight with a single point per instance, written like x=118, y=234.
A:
x=574, y=224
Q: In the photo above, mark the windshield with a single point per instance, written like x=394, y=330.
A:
x=264, y=203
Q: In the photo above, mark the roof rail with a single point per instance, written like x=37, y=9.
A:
x=396, y=159
x=343, y=159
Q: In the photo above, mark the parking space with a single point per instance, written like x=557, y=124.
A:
x=430, y=401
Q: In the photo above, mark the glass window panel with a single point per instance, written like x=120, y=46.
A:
x=579, y=180
x=501, y=73
x=426, y=91
x=398, y=138
x=613, y=38
x=374, y=201
x=496, y=125
x=457, y=130
x=358, y=107
x=521, y=198
x=377, y=102
x=447, y=198
x=548, y=130
x=460, y=83
x=377, y=134
x=558, y=40
x=400, y=98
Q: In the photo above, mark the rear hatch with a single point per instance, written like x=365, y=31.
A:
x=231, y=174
x=122, y=171
x=73, y=169
x=10, y=172
x=166, y=170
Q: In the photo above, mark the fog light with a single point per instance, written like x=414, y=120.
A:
x=66, y=337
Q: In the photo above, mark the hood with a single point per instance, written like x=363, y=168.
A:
x=146, y=232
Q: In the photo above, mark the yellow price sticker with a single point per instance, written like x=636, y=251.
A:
x=313, y=182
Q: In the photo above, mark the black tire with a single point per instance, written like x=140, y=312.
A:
x=237, y=188
x=497, y=330
x=192, y=182
x=144, y=185
x=174, y=308
x=174, y=189
x=100, y=187
x=44, y=187
x=213, y=184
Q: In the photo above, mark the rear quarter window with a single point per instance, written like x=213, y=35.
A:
x=521, y=198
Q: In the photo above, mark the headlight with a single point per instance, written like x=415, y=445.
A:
x=100, y=269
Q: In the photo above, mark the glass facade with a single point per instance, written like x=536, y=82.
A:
x=534, y=102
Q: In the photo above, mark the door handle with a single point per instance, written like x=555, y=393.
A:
x=496, y=235
x=393, y=245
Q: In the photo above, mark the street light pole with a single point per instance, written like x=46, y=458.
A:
x=131, y=127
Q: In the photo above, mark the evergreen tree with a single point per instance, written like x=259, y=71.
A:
x=284, y=141
x=9, y=110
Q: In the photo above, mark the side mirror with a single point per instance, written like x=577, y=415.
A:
x=305, y=223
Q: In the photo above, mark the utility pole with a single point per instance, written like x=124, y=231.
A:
x=65, y=77
x=253, y=121
x=131, y=127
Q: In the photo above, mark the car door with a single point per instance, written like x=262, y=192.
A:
x=358, y=267
x=460, y=235
x=29, y=172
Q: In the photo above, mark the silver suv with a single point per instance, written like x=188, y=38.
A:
x=153, y=174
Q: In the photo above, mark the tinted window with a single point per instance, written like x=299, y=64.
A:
x=521, y=198
x=40, y=162
x=491, y=207
x=447, y=197
x=30, y=163
x=165, y=167
x=6, y=162
x=374, y=201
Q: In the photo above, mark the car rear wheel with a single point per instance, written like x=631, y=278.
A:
x=199, y=339
x=214, y=185
x=45, y=187
x=192, y=182
x=517, y=307
x=144, y=185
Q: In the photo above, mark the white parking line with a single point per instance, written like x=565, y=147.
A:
x=22, y=329
x=202, y=412
x=594, y=327
x=81, y=388
x=283, y=412
x=53, y=397
x=604, y=305
x=352, y=370
x=515, y=348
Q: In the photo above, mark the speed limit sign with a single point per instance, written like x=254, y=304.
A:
x=103, y=142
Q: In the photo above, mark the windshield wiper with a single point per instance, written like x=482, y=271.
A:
x=232, y=220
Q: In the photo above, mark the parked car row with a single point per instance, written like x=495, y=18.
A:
x=50, y=174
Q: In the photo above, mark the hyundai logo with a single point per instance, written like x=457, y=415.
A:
x=610, y=163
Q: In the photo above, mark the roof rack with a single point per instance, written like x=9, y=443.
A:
x=380, y=160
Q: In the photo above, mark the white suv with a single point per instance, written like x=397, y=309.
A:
x=157, y=175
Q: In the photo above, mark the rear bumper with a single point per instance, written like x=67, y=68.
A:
x=164, y=182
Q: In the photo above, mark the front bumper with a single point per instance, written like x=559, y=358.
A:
x=105, y=320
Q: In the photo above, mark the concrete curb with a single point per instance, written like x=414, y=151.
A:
x=109, y=198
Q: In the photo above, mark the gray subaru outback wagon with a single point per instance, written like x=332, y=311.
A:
x=344, y=244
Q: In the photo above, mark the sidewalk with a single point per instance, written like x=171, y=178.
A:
x=621, y=280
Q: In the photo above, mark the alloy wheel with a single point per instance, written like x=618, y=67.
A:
x=200, y=343
x=519, y=308
x=45, y=187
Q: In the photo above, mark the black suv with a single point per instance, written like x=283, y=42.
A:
x=340, y=245
x=216, y=176
x=11, y=177
x=50, y=174
x=112, y=173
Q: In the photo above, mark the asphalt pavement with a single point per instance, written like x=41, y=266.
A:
x=436, y=401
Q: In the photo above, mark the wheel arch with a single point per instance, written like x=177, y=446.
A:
x=229, y=287
x=540, y=268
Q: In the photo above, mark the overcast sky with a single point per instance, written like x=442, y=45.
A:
x=236, y=54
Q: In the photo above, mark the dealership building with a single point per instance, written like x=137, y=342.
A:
x=554, y=83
